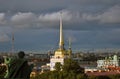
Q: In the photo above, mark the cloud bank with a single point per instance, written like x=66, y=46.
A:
x=32, y=20
x=4, y=37
x=91, y=23
x=2, y=19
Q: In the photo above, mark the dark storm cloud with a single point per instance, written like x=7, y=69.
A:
x=51, y=5
x=71, y=20
x=94, y=22
x=29, y=5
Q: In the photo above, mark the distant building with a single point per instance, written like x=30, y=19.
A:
x=111, y=61
x=61, y=53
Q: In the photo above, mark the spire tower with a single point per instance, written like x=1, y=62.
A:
x=61, y=42
x=60, y=52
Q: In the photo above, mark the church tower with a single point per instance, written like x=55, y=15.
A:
x=60, y=52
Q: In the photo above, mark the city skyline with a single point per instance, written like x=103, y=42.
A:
x=90, y=24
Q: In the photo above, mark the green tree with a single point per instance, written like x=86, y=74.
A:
x=3, y=69
x=58, y=66
x=71, y=65
x=81, y=76
x=53, y=75
x=71, y=75
x=70, y=70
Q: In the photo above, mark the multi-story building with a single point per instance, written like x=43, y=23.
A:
x=111, y=61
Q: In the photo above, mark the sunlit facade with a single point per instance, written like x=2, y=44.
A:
x=111, y=61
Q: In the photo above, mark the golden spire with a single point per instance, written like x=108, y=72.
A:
x=61, y=42
x=61, y=51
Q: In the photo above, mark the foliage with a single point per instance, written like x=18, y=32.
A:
x=82, y=76
x=72, y=75
x=60, y=75
x=71, y=65
x=70, y=70
x=3, y=69
x=58, y=66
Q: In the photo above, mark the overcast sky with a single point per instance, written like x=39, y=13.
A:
x=35, y=23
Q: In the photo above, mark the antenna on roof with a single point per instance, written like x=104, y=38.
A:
x=12, y=50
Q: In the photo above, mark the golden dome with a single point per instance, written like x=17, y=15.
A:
x=60, y=53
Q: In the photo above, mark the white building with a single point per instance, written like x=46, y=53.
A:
x=111, y=61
